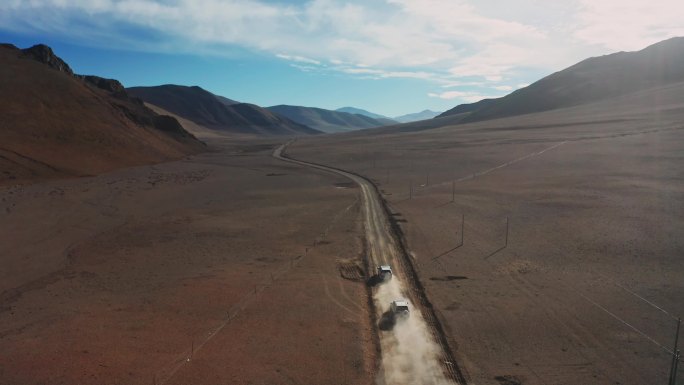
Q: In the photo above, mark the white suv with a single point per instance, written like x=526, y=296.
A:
x=385, y=272
x=400, y=308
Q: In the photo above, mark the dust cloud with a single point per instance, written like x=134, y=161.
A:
x=409, y=353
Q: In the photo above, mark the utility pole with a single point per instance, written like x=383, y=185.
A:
x=675, y=356
x=411, y=190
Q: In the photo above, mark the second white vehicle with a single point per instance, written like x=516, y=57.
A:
x=400, y=308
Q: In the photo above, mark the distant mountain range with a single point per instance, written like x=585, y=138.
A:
x=217, y=112
x=327, y=120
x=423, y=115
x=587, y=81
x=56, y=123
x=359, y=111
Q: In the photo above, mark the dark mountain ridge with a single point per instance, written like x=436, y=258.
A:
x=590, y=80
x=57, y=123
x=218, y=113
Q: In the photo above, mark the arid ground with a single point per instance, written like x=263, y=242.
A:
x=228, y=267
x=594, y=198
x=234, y=267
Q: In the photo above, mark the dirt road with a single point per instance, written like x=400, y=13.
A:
x=414, y=350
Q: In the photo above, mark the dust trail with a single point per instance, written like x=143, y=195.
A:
x=409, y=353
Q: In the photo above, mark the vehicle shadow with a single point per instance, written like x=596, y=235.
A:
x=374, y=281
x=387, y=321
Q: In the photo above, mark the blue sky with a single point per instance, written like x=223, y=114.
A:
x=390, y=57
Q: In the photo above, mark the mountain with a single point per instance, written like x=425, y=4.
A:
x=327, y=120
x=226, y=101
x=56, y=124
x=468, y=107
x=359, y=111
x=218, y=113
x=423, y=115
x=587, y=81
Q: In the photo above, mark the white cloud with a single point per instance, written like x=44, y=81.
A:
x=629, y=24
x=443, y=41
x=304, y=68
x=403, y=38
x=364, y=71
x=468, y=97
x=300, y=59
x=452, y=84
x=407, y=74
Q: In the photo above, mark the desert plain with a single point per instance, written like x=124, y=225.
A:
x=224, y=267
x=232, y=266
x=587, y=286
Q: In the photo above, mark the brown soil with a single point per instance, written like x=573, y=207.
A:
x=593, y=196
x=55, y=125
x=208, y=270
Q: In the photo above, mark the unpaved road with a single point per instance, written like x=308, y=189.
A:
x=415, y=350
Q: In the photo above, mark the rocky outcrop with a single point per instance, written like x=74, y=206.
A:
x=44, y=54
x=109, y=85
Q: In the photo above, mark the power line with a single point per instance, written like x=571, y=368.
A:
x=645, y=300
x=627, y=324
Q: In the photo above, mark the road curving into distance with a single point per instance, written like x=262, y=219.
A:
x=415, y=350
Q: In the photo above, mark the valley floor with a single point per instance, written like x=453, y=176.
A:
x=593, y=196
x=225, y=267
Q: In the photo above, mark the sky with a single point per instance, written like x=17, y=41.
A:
x=390, y=57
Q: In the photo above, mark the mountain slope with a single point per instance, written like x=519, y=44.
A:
x=218, y=113
x=425, y=114
x=226, y=101
x=591, y=80
x=468, y=107
x=385, y=121
x=359, y=111
x=55, y=123
x=326, y=120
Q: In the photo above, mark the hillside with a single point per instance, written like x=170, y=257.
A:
x=55, y=123
x=468, y=107
x=588, y=81
x=416, y=116
x=218, y=113
x=327, y=120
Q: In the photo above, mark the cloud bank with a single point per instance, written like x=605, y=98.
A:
x=447, y=42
